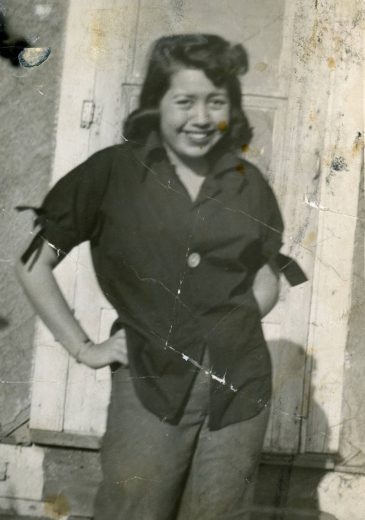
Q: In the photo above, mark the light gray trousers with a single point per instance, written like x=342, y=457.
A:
x=156, y=471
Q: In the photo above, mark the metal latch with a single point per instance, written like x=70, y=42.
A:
x=87, y=114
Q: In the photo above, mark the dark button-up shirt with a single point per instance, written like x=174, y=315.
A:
x=179, y=273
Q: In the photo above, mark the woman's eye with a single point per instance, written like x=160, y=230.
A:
x=218, y=102
x=184, y=103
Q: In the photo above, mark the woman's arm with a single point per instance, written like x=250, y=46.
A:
x=266, y=288
x=44, y=293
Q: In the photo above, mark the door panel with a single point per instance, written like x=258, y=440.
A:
x=260, y=28
x=265, y=105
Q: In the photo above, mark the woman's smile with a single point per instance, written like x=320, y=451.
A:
x=199, y=137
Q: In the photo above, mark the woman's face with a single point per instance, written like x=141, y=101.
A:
x=194, y=113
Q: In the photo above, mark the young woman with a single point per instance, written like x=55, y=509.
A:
x=184, y=235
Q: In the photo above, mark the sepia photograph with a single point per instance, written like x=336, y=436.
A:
x=182, y=314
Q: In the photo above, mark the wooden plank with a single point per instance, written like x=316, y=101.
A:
x=51, y=360
x=49, y=381
x=86, y=396
x=337, y=208
x=303, y=460
x=87, y=401
x=89, y=390
x=65, y=439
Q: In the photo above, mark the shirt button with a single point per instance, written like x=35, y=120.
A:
x=194, y=260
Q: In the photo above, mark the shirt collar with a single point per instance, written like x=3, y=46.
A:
x=153, y=149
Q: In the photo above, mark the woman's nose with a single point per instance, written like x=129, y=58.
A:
x=201, y=114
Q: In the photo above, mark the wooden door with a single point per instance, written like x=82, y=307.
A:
x=107, y=48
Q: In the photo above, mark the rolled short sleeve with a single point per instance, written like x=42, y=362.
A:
x=69, y=214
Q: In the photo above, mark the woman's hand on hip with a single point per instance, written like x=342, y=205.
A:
x=110, y=351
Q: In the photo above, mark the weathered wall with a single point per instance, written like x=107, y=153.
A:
x=353, y=405
x=28, y=110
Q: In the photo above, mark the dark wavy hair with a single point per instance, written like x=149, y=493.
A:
x=221, y=62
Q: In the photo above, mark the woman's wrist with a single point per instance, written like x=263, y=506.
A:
x=85, y=345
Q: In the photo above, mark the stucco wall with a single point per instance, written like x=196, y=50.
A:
x=353, y=404
x=28, y=111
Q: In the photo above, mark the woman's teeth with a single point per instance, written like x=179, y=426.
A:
x=198, y=135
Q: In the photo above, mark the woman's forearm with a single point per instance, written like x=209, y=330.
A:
x=45, y=295
x=266, y=288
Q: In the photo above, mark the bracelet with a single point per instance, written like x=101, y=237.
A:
x=78, y=352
